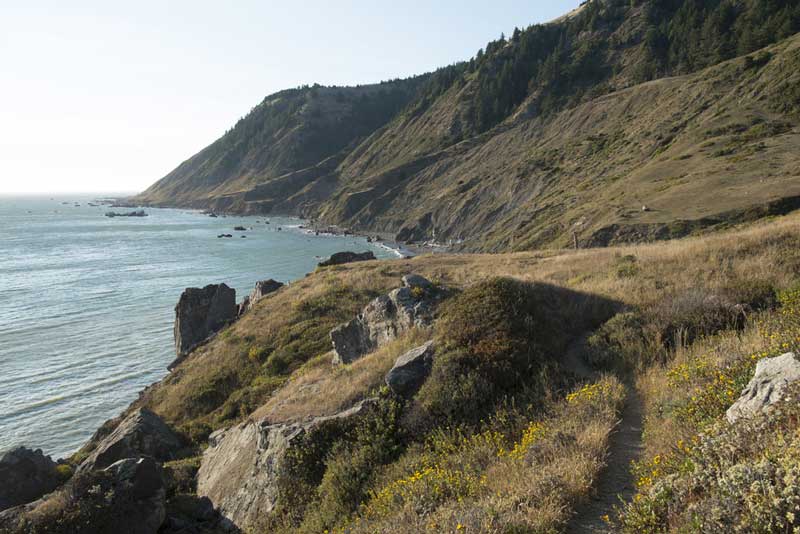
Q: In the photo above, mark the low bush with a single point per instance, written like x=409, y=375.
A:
x=492, y=340
x=523, y=472
x=714, y=476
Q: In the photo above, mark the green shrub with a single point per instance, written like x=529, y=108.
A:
x=351, y=467
x=65, y=472
x=180, y=475
x=492, y=339
x=624, y=343
x=627, y=267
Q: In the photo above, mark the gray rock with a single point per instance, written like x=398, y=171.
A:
x=139, y=483
x=415, y=280
x=201, y=313
x=771, y=378
x=383, y=319
x=142, y=433
x=264, y=288
x=128, y=497
x=240, y=469
x=244, y=306
x=340, y=258
x=410, y=370
x=26, y=475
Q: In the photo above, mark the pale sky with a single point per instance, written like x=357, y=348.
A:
x=109, y=96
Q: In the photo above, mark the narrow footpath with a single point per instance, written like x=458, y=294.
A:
x=616, y=483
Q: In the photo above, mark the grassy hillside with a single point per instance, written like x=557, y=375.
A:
x=539, y=353
x=569, y=127
x=288, y=131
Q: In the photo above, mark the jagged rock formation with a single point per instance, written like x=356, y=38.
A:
x=410, y=370
x=26, y=475
x=241, y=468
x=243, y=306
x=340, y=258
x=201, y=313
x=142, y=433
x=384, y=318
x=771, y=378
x=127, y=497
x=261, y=290
x=264, y=288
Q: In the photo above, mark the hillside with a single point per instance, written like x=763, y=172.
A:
x=572, y=126
x=512, y=424
x=288, y=131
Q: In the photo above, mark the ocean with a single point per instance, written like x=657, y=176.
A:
x=87, y=302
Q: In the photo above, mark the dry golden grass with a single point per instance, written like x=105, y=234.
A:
x=530, y=486
x=538, y=494
x=219, y=384
x=321, y=388
x=660, y=395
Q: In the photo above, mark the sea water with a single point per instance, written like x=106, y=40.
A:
x=87, y=302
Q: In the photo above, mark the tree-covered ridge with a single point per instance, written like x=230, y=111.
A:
x=561, y=63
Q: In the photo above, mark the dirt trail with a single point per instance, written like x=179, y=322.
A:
x=616, y=482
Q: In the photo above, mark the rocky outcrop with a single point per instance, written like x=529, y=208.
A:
x=384, y=318
x=410, y=370
x=766, y=388
x=128, y=497
x=244, y=306
x=26, y=475
x=201, y=313
x=139, y=487
x=142, y=433
x=264, y=288
x=340, y=258
x=241, y=468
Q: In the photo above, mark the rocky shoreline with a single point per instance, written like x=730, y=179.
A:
x=129, y=454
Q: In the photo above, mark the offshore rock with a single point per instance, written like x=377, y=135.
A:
x=340, y=258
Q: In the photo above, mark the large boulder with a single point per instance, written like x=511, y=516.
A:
x=142, y=433
x=766, y=388
x=241, y=468
x=201, y=313
x=410, y=370
x=128, y=497
x=384, y=318
x=340, y=258
x=26, y=475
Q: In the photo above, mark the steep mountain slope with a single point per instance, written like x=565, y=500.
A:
x=562, y=131
x=288, y=131
x=687, y=148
